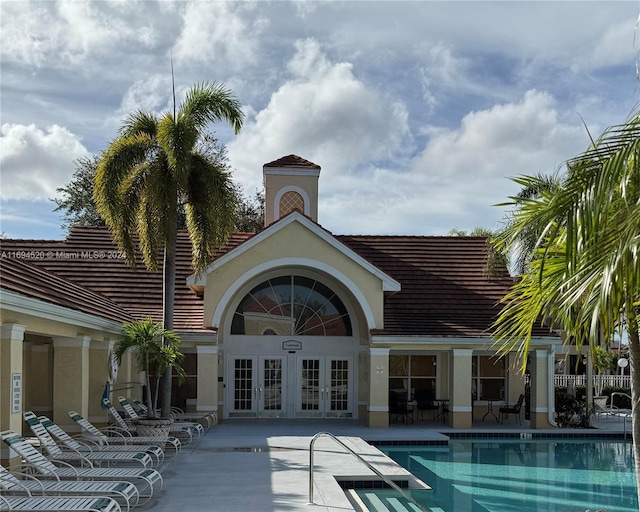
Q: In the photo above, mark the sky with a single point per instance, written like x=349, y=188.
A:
x=419, y=113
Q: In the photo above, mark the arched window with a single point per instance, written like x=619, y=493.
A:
x=291, y=305
x=291, y=201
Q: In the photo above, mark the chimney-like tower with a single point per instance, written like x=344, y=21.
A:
x=290, y=183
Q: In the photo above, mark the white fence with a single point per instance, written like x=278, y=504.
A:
x=616, y=381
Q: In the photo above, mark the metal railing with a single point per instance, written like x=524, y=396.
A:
x=387, y=480
x=615, y=381
x=626, y=416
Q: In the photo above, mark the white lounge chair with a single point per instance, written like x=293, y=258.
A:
x=58, y=504
x=74, y=444
x=121, y=437
x=148, y=481
x=125, y=493
x=178, y=414
x=185, y=436
x=207, y=420
x=182, y=427
x=54, y=450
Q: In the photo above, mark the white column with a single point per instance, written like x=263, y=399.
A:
x=378, y=387
x=207, y=378
x=460, y=374
x=11, y=384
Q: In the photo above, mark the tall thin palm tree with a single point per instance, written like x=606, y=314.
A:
x=153, y=169
x=585, y=277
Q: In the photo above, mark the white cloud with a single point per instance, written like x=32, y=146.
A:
x=460, y=174
x=323, y=113
x=215, y=31
x=67, y=32
x=35, y=162
x=513, y=137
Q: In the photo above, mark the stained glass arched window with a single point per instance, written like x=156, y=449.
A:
x=291, y=306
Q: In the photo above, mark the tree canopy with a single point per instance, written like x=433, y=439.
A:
x=79, y=209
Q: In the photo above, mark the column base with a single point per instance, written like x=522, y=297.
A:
x=378, y=419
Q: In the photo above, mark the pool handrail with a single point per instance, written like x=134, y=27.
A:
x=626, y=416
x=385, y=478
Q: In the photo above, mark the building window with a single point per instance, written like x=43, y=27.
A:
x=291, y=305
x=412, y=372
x=488, y=378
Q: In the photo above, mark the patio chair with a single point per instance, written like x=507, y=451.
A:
x=147, y=481
x=56, y=432
x=32, y=503
x=181, y=428
x=514, y=409
x=111, y=436
x=425, y=402
x=55, y=451
x=125, y=493
x=399, y=408
x=185, y=436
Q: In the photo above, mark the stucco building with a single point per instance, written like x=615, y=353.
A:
x=292, y=322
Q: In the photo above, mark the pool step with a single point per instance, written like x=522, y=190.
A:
x=385, y=501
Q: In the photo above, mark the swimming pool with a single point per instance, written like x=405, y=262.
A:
x=504, y=475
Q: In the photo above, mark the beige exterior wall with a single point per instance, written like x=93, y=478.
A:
x=292, y=242
x=39, y=376
x=50, y=327
x=98, y=377
x=274, y=183
x=70, y=378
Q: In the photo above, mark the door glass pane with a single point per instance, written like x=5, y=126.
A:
x=242, y=381
x=339, y=385
x=272, y=384
x=310, y=384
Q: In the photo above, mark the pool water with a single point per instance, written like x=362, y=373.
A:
x=505, y=475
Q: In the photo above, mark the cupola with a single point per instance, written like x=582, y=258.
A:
x=290, y=183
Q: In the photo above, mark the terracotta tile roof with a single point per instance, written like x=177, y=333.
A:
x=292, y=161
x=90, y=258
x=445, y=288
x=27, y=279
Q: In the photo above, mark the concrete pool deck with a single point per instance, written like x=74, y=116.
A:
x=263, y=465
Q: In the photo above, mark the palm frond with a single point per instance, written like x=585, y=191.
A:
x=212, y=102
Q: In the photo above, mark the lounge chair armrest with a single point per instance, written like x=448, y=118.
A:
x=35, y=469
x=21, y=476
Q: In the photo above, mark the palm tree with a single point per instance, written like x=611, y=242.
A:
x=151, y=171
x=585, y=277
x=155, y=349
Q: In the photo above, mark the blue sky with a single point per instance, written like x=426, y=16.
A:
x=417, y=112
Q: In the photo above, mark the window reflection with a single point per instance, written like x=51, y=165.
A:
x=291, y=305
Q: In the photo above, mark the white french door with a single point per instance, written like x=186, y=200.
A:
x=257, y=387
x=325, y=387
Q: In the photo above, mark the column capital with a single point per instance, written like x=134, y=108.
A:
x=207, y=349
x=462, y=352
x=379, y=351
x=77, y=341
x=12, y=332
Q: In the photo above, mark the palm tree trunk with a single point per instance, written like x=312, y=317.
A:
x=168, y=289
x=634, y=356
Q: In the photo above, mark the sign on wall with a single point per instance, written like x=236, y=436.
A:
x=16, y=392
x=291, y=345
